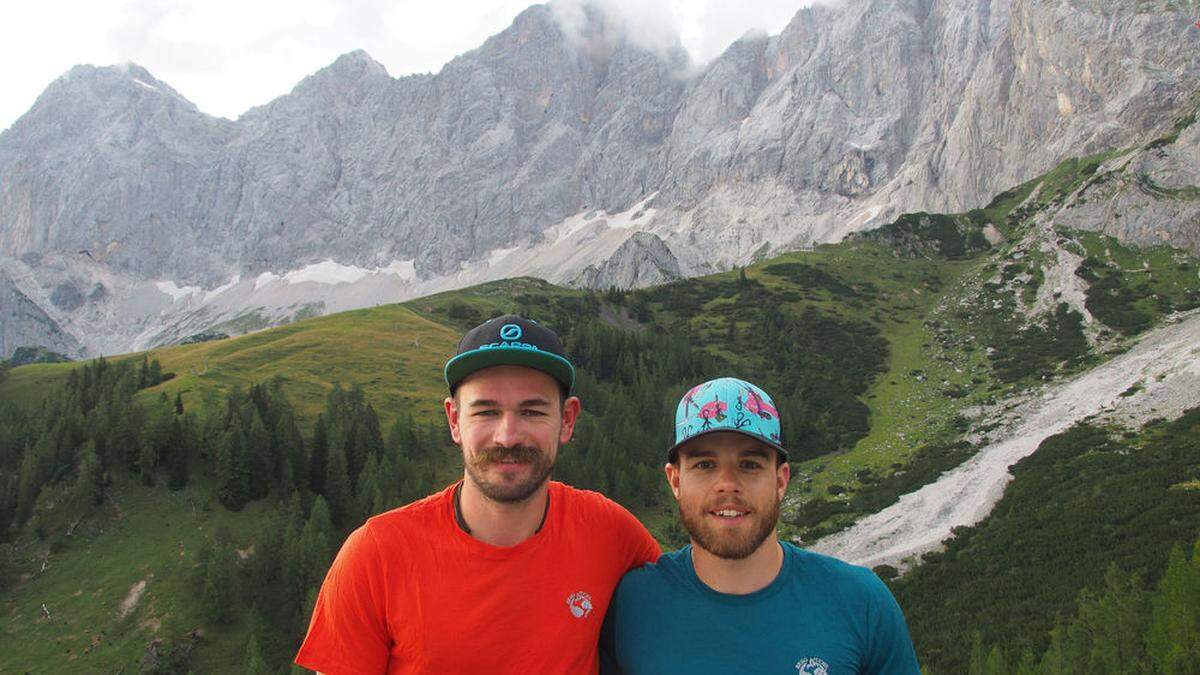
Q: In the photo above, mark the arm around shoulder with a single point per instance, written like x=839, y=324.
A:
x=636, y=539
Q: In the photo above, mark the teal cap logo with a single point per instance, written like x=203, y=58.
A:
x=510, y=331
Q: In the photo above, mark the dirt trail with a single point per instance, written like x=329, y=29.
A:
x=132, y=598
x=1164, y=370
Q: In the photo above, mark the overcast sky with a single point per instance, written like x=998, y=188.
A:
x=229, y=55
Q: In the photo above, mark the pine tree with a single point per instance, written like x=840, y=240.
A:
x=1173, y=641
x=367, y=495
x=89, y=487
x=219, y=594
x=147, y=462
x=399, y=438
x=182, y=440
x=258, y=457
x=178, y=403
x=253, y=659
x=233, y=486
x=337, y=488
x=316, y=547
x=319, y=457
x=1109, y=629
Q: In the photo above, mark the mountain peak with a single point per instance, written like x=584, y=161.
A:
x=357, y=61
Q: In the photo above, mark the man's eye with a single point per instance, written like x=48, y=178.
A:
x=751, y=466
x=485, y=413
x=533, y=413
x=704, y=464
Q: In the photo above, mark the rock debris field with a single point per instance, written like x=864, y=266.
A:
x=1159, y=377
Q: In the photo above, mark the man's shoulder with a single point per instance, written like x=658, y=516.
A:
x=423, y=513
x=834, y=571
x=665, y=571
x=586, y=503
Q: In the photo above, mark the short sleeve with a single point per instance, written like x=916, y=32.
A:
x=639, y=545
x=891, y=649
x=348, y=632
x=609, y=665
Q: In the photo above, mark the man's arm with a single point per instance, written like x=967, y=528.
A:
x=636, y=540
x=891, y=649
x=348, y=632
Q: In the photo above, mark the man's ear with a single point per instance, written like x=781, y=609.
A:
x=570, y=414
x=783, y=473
x=452, y=419
x=672, y=472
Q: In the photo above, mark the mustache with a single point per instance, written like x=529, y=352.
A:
x=734, y=503
x=498, y=453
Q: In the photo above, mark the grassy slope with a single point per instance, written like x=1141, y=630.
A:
x=142, y=534
x=396, y=355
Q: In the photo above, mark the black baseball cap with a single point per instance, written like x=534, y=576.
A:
x=510, y=340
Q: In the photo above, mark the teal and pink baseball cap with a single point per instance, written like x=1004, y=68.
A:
x=727, y=404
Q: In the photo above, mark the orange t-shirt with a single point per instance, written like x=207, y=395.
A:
x=410, y=592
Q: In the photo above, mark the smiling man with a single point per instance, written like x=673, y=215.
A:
x=505, y=571
x=738, y=600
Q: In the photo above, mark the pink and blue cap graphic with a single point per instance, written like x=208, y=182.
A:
x=727, y=404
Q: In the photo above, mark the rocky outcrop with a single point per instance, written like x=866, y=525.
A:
x=1148, y=195
x=23, y=324
x=643, y=260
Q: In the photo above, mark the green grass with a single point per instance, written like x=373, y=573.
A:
x=140, y=534
x=395, y=354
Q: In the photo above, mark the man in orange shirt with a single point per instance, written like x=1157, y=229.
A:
x=504, y=571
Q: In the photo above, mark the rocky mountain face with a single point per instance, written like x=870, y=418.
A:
x=567, y=150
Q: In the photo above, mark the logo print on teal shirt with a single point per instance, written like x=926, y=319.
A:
x=812, y=666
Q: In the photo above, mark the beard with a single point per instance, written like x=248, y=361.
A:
x=725, y=542
x=509, y=492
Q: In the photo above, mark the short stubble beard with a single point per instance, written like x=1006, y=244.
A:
x=540, y=467
x=732, y=546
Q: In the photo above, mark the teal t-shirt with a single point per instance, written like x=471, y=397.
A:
x=820, y=616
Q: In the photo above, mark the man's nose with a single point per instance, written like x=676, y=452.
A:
x=508, y=431
x=727, y=480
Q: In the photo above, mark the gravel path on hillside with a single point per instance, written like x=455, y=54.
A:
x=1164, y=367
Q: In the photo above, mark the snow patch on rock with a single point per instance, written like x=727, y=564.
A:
x=326, y=272
x=208, y=296
x=177, y=293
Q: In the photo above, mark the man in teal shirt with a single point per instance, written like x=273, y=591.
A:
x=738, y=600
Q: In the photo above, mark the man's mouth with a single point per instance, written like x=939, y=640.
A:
x=730, y=513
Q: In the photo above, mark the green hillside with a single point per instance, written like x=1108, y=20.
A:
x=224, y=474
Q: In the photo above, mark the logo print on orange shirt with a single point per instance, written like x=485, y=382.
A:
x=580, y=604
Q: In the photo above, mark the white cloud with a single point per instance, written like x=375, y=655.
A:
x=229, y=55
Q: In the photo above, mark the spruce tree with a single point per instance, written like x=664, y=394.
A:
x=253, y=659
x=1173, y=640
x=89, y=486
x=219, y=594
x=182, y=440
x=258, y=457
x=367, y=494
x=319, y=457
x=233, y=486
x=337, y=488
x=316, y=547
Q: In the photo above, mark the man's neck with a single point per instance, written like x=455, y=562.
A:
x=501, y=523
x=739, y=577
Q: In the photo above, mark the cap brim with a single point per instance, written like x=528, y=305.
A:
x=674, y=449
x=459, y=367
